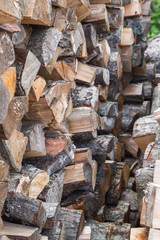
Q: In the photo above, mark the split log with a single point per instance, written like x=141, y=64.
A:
x=53, y=190
x=133, y=93
x=114, y=38
x=59, y=153
x=52, y=213
x=57, y=233
x=101, y=214
x=18, y=37
x=136, y=24
x=118, y=151
x=133, y=9
x=130, y=197
x=117, y=126
x=98, y=17
x=91, y=36
x=102, y=76
x=86, y=234
x=26, y=62
x=147, y=90
x=73, y=221
x=83, y=155
x=130, y=145
x=36, y=141
x=33, y=16
x=7, y=55
x=144, y=131
x=30, y=210
x=127, y=37
x=84, y=10
x=16, y=110
x=37, y=88
x=77, y=176
x=82, y=200
x=59, y=3
x=143, y=177
x=126, y=56
x=116, y=16
x=103, y=92
x=21, y=40
x=48, y=111
x=85, y=74
x=44, y=44
x=99, y=1
x=114, y=66
x=151, y=154
x=30, y=182
x=139, y=233
x=121, y=210
x=59, y=19
x=10, y=11
x=18, y=232
x=85, y=96
x=83, y=123
x=134, y=165
x=12, y=27
x=103, y=182
x=111, y=230
x=13, y=149
x=136, y=56
x=109, y=109
x=147, y=74
x=9, y=79
x=107, y=124
x=99, y=146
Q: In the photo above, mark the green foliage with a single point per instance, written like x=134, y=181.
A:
x=155, y=19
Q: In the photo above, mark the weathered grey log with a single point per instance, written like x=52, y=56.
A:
x=7, y=55
x=137, y=55
x=130, y=197
x=82, y=200
x=18, y=231
x=53, y=190
x=18, y=37
x=117, y=214
x=137, y=25
x=91, y=36
x=85, y=96
x=102, y=76
x=107, y=124
x=73, y=222
x=109, y=109
x=116, y=16
x=134, y=164
x=60, y=153
x=134, y=93
x=110, y=230
x=57, y=233
x=27, y=66
x=144, y=131
x=147, y=90
x=30, y=210
x=114, y=38
x=143, y=177
x=115, y=66
x=151, y=154
x=53, y=211
x=36, y=141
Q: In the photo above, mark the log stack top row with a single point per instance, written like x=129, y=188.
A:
x=73, y=81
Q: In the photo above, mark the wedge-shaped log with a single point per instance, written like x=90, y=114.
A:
x=83, y=122
x=36, y=141
x=37, y=88
x=44, y=44
x=114, y=66
x=91, y=36
x=116, y=16
x=99, y=17
x=129, y=144
x=133, y=92
x=127, y=37
x=84, y=10
x=30, y=182
x=73, y=222
x=52, y=213
x=7, y=55
x=85, y=74
x=9, y=11
x=144, y=131
x=60, y=153
x=13, y=149
x=83, y=155
x=77, y=176
x=133, y=9
x=151, y=154
x=109, y=109
x=126, y=56
x=18, y=232
x=25, y=209
x=34, y=16
x=85, y=96
x=16, y=110
x=27, y=68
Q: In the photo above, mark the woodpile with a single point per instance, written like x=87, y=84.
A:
x=74, y=86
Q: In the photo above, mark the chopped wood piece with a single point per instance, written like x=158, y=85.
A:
x=98, y=17
x=12, y=27
x=30, y=182
x=153, y=234
x=52, y=214
x=77, y=176
x=18, y=232
x=144, y=131
x=126, y=56
x=36, y=141
x=84, y=10
x=73, y=221
x=143, y=177
x=156, y=177
x=37, y=88
x=85, y=74
x=59, y=3
x=109, y=109
x=117, y=214
x=114, y=66
x=82, y=200
x=9, y=11
x=137, y=55
x=13, y=149
x=133, y=92
x=16, y=110
x=103, y=92
x=131, y=197
x=91, y=37
x=86, y=234
x=102, y=76
x=26, y=62
x=53, y=190
x=85, y=96
x=83, y=155
x=44, y=43
x=19, y=36
x=7, y=55
x=99, y=1
x=34, y=16
x=127, y=37
x=151, y=154
x=9, y=79
x=31, y=210
x=133, y=9
x=116, y=16
x=107, y=124
x=83, y=123
x=139, y=233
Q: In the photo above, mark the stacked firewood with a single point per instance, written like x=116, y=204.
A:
x=73, y=81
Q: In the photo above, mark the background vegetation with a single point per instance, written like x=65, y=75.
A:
x=155, y=18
